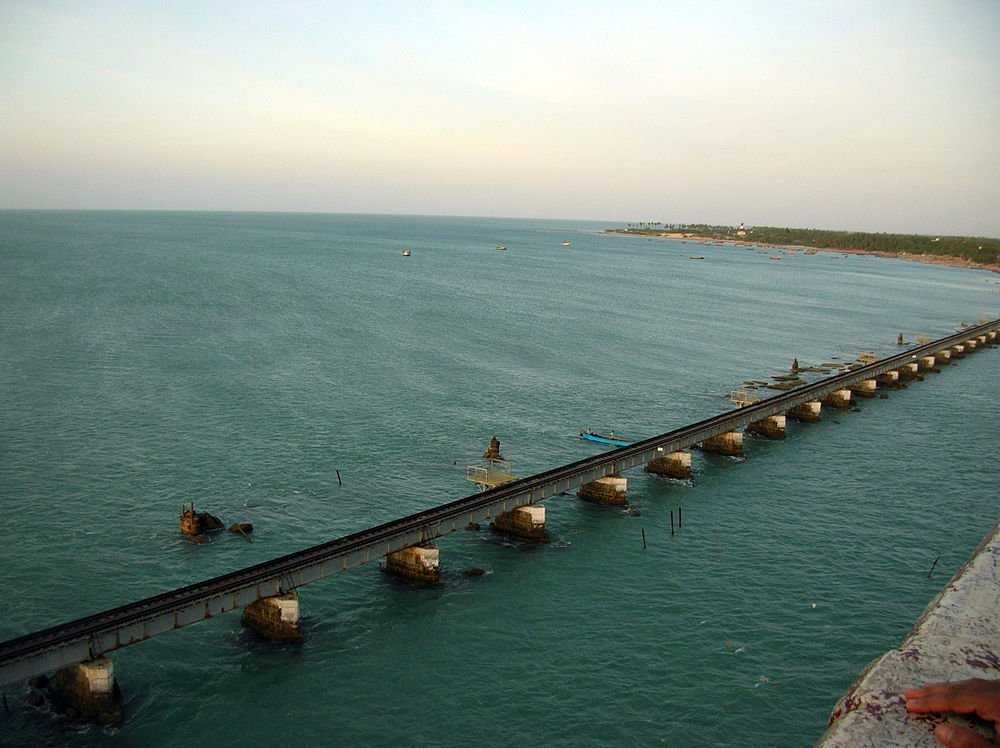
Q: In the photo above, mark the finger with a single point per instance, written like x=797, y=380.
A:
x=941, y=687
x=953, y=736
x=961, y=698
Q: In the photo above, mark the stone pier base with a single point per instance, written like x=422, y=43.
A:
x=526, y=522
x=89, y=691
x=982, y=340
x=809, y=412
x=729, y=443
x=958, y=351
x=926, y=363
x=971, y=344
x=865, y=388
x=909, y=371
x=419, y=563
x=275, y=618
x=612, y=490
x=991, y=336
x=773, y=427
x=943, y=357
x=889, y=380
x=671, y=464
x=839, y=399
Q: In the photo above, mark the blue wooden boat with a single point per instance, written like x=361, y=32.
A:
x=610, y=440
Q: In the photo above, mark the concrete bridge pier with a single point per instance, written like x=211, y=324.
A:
x=982, y=340
x=889, y=380
x=89, y=691
x=991, y=336
x=909, y=371
x=809, y=412
x=611, y=490
x=839, y=399
x=927, y=363
x=525, y=522
x=275, y=618
x=943, y=357
x=418, y=563
x=729, y=443
x=671, y=464
x=865, y=388
x=970, y=345
x=958, y=351
x=773, y=427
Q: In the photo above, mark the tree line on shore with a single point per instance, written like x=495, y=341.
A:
x=976, y=248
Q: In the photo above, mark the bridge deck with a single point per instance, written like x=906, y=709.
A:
x=87, y=637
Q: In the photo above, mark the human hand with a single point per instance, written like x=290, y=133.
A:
x=973, y=696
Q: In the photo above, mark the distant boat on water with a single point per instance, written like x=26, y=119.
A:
x=609, y=440
x=567, y=243
x=775, y=257
x=502, y=247
x=406, y=252
x=696, y=257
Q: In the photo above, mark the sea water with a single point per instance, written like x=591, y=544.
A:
x=240, y=360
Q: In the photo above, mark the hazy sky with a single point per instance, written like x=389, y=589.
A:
x=874, y=115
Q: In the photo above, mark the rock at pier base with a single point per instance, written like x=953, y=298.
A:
x=275, y=618
x=418, y=563
x=671, y=464
x=526, y=523
x=611, y=490
x=88, y=691
x=772, y=427
x=729, y=443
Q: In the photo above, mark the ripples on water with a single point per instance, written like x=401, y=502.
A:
x=240, y=360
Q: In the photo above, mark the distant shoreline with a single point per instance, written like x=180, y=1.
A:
x=927, y=259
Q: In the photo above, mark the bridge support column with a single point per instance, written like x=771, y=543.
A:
x=611, y=490
x=890, y=379
x=89, y=691
x=671, y=464
x=943, y=357
x=729, y=443
x=275, y=618
x=809, y=412
x=982, y=340
x=838, y=399
x=991, y=336
x=419, y=563
x=865, y=388
x=970, y=345
x=525, y=522
x=773, y=427
x=909, y=371
x=927, y=363
x=958, y=351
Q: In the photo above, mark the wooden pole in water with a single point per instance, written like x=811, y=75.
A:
x=339, y=481
x=671, y=521
x=643, y=538
x=932, y=567
x=680, y=517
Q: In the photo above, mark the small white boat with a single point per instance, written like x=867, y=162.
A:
x=406, y=252
x=502, y=247
x=567, y=243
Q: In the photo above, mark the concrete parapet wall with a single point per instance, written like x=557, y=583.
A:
x=612, y=489
x=839, y=399
x=275, y=617
x=671, y=464
x=773, y=427
x=420, y=563
x=957, y=637
x=527, y=522
x=728, y=443
x=809, y=412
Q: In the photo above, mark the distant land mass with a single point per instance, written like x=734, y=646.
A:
x=960, y=251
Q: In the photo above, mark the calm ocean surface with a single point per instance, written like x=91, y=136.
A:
x=239, y=360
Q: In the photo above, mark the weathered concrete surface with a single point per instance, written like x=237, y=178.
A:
x=926, y=363
x=730, y=443
x=943, y=357
x=889, y=379
x=958, y=351
x=773, y=427
x=956, y=637
x=671, y=464
x=420, y=563
x=839, y=399
x=526, y=522
x=275, y=617
x=809, y=412
x=865, y=388
x=89, y=691
x=909, y=371
x=611, y=489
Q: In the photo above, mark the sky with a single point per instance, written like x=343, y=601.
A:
x=877, y=116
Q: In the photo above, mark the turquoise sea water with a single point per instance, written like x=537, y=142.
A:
x=239, y=360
